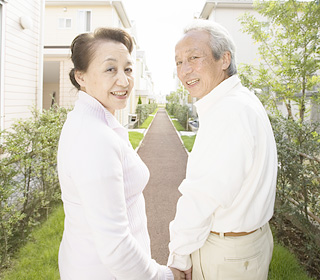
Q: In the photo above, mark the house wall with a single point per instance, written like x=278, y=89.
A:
x=21, y=82
x=55, y=36
x=246, y=49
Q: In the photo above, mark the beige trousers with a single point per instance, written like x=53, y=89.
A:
x=234, y=258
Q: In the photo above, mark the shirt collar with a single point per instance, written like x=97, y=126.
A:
x=99, y=108
x=206, y=102
x=102, y=112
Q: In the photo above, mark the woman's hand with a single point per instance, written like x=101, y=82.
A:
x=177, y=274
x=188, y=274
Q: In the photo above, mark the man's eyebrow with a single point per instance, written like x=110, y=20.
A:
x=188, y=51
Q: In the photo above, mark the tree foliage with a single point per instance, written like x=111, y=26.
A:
x=176, y=107
x=289, y=48
x=288, y=39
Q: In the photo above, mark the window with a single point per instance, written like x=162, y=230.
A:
x=64, y=23
x=84, y=17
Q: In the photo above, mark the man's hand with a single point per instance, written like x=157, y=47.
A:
x=177, y=274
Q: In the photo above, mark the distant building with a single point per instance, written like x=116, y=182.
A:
x=143, y=84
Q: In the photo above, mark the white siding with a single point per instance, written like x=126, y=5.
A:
x=246, y=49
x=55, y=36
x=22, y=59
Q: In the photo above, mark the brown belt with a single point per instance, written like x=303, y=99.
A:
x=234, y=234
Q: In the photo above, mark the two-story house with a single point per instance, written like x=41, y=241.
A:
x=64, y=20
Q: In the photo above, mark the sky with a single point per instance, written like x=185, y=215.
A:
x=159, y=25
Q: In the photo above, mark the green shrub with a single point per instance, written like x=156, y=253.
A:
x=28, y=179
x=181, y=112
x=144, y=110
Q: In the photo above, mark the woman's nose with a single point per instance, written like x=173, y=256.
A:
x=122, y=79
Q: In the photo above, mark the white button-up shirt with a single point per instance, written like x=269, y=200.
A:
x=231, y=173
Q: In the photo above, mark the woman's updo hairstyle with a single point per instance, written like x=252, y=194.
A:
x=84, y=45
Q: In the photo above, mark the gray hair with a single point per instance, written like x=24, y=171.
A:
x=220, y=41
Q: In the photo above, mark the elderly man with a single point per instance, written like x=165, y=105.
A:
x=221, y=225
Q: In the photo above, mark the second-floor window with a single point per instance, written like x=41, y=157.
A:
x=64, y=23
x=84, y=20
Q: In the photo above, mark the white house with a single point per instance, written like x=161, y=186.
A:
x=21, y=60
x=64, y=20
x=143, y=83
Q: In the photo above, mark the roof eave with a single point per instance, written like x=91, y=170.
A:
x=122, y=14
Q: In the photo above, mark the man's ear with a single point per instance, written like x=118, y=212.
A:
x=226, y=60
x=79, y=76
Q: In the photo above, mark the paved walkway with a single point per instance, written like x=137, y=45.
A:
x=166, y=158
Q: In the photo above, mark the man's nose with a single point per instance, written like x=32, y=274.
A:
x=185, y=68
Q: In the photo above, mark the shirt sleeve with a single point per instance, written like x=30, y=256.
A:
x=216, y=170
x=98, y=177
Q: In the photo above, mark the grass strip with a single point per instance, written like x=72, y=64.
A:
x=178, y=125
x=188, y=141
x=38, y=259
x=285, y=266
x=135, y=138
x=147, y=122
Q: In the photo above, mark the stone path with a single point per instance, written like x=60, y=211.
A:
x=166, y=158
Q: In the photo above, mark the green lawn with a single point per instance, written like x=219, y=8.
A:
x=178, y=125
x=147, y=122
x=188, y=142
x=285, y=266
x=38, y=259
x=135, y=138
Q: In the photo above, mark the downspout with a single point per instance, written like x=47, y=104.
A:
x=215, y=9
x=3, y=16
x=40, y=60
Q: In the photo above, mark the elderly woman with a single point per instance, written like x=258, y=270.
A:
x=102, y=178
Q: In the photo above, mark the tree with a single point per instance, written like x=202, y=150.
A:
x=139, y=100
x=289, y=46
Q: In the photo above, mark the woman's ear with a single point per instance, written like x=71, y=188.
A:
x=79, y=76
x=226, y=60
